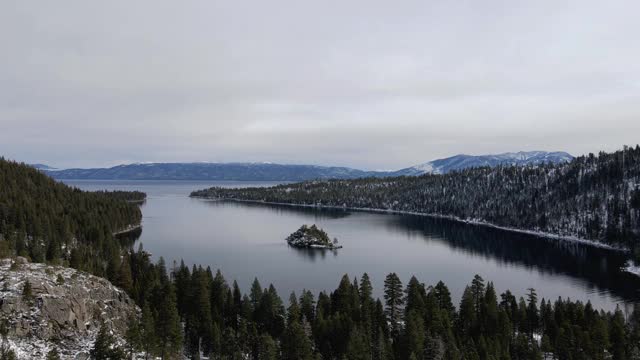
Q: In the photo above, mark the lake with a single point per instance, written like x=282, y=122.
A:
x=246, y=240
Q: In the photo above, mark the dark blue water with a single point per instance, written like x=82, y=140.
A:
x=247, y=241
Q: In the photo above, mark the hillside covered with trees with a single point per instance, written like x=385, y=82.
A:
x=195, y=312
x=45, y=220
x=593, y=197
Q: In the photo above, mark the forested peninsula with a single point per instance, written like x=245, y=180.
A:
x=45, y=220
x=593, y=197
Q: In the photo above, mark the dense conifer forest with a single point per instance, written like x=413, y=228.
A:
x=593, y=197
x=48, y=221
x=197, y=313
x=129, y=196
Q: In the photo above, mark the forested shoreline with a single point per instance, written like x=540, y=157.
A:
x=595, y=198
x=48, y=221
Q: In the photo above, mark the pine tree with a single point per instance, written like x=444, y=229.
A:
x=415, y=296
x=168, y=328
x=113, y=267
x=394, y=300
x=268, y=349
x=218, y=297
x=293, y=312
x=414, y=335
x=490, y=317
x=467, y=315
x=256, y=294
x=443, y=297
x=634, y=336
x=532, y=311
x=133, y=335
x=105, y=347
x=359, y=347
x=296, y=345
x=307, y=305
x=125, y=279
x=366, y=289
x=148, y=331
x=477, y=291
x=182, y=279
x=198, y=328
x=617, y=336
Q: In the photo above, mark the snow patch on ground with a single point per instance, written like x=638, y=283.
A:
x=424, y=168
x=478, y=222
x=632, y=268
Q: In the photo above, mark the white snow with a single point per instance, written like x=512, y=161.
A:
x=426, y=167
x=34, y=347
x=513, y=158
x=632, y=268
x=541, y=234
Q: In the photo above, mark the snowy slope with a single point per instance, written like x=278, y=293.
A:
x=282, y=172
x=459, y=162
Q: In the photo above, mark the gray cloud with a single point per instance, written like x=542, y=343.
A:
x=360, y=83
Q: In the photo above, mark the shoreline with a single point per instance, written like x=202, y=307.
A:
x=128, y=230
x=631, y=268
x=317, y=247
x=436, y=216
x=137, y=201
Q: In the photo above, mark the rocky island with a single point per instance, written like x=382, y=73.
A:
x=312, y=237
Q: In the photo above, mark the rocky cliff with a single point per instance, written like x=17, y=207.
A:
x=64, y=309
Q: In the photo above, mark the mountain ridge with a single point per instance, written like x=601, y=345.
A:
x=265, y=171
x=464, y=161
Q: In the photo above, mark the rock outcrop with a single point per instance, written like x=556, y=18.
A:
x=64, y=309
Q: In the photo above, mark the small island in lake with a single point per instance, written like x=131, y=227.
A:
x=312, y=237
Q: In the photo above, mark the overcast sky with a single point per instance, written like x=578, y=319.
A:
x=368, y=84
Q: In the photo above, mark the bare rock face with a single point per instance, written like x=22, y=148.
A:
x=65, y=309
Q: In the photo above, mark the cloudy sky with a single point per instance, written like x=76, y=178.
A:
x=369, y=84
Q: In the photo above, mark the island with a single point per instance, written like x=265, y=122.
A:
x=312, y=237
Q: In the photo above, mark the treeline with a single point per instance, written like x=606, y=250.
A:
x=592, y=197
x=131, y=196
x=196, y=312
x=49, y=221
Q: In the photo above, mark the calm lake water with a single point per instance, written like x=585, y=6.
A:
x=247, y=240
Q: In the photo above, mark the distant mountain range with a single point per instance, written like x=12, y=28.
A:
x=212, y=171
x=280, y=172
x=459, y=162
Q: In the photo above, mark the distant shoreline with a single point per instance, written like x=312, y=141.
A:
x=540, y=234
x=128, y=230
x=137, y=201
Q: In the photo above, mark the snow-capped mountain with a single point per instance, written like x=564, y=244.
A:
x=459, y=162
x=281, y=172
